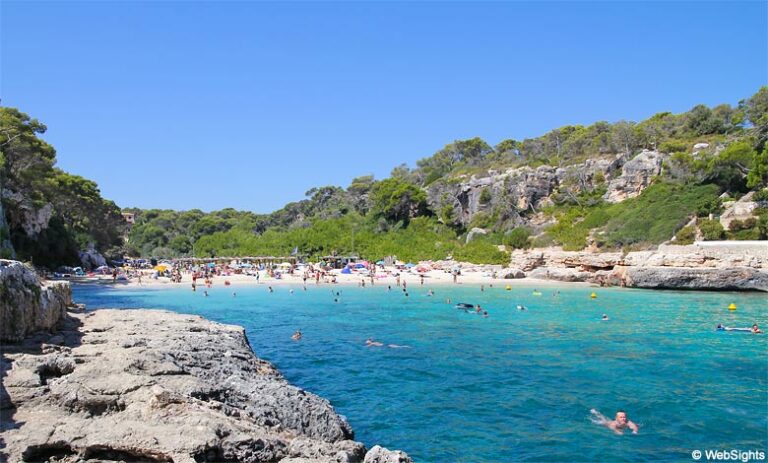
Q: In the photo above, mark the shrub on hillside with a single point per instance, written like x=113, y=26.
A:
x=711, y=230
x=685, y=235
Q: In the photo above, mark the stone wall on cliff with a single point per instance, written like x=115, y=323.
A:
x=27, y=304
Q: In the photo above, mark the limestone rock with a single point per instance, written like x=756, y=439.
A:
x=511, y=273
x=473, y=232
x=740, y=278
x=635, y=176
x=26, y=304
x=152, y=385
x=91, y=258
x=381, y=455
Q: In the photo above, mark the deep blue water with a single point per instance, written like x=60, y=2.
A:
x=516, y=386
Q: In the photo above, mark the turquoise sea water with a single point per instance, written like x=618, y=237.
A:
x=516, y=386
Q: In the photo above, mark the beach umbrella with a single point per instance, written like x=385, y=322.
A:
x=379, y=262
x=286, y=264
x=410, y=265
x=211, y=264
x=161, y=268
x=359, y=266
x=346, y=271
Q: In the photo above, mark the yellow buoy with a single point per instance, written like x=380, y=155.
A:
x=509, y=288
x=593, y=296
x=732, y=306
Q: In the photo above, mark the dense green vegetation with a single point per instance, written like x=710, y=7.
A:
x=394, y=216
x=50, y=214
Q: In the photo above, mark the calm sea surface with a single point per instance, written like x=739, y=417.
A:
x=516, y=386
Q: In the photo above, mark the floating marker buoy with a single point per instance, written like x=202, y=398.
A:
x=509, y=288
x=732, y=306
x=593, y=296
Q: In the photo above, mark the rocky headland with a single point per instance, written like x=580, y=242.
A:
x=148, y=385
x=702, y=266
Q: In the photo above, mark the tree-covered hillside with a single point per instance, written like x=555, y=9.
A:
x=395, y=215
x=49, y=214
x=572, y=186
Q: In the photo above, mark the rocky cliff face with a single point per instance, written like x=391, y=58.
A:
x=146, y=385
x=513, y=192
x=26, y=304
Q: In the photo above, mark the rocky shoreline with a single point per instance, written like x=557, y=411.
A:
x=152, y=386
x=735, y=267
x=149, y=385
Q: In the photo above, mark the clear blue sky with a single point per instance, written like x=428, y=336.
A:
x=248, y=105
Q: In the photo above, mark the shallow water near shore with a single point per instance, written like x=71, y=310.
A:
x=516, y=386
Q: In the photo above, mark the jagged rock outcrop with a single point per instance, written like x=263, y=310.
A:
x=152, y=385
x=636, y=175
x=26, y=304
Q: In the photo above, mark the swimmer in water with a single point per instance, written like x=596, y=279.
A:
x=485, y=314
x=430, y=293
x=371, y=343
x=756, y=329
x=720, y=327
x=617, y=425
x=297, y=335
x=271, y=290
x=605, y=317
x=234, y=294
x=206, y=293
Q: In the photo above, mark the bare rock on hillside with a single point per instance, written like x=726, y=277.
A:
x=635, y=176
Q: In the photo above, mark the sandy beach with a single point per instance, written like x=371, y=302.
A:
x=412, y=279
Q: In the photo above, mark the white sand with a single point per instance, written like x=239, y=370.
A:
x=431, y=278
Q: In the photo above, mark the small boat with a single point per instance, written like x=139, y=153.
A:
x=465, y=306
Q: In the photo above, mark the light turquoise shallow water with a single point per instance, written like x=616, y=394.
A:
x=516, y=386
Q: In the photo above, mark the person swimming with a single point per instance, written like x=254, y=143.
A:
x=605, y=317
x=720, y=327
x=371, y=343
x=521, y=307
x=297, y=335
x=617, y=425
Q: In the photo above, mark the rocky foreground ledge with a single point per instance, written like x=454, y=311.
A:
x=147, y=385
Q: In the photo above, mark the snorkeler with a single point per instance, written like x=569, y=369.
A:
x=617, y=425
